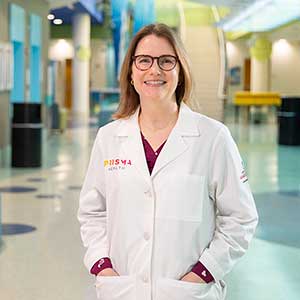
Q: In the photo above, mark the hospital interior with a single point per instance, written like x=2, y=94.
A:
x=59, y=67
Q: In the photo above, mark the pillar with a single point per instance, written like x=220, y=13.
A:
x=260, y=64
x=260, y=73
x=81, y=72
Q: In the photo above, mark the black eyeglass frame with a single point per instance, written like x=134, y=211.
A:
x=152, y=59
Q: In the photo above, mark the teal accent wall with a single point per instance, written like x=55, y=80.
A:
x=144, y=14
x=17, y=37
x=35, y=76
x=35, y=58
x=17, y=93
x=17, y=23
x=35, y=30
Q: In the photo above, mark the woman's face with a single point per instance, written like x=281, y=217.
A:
x=155, y=84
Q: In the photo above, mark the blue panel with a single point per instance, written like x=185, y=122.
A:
x=17, y=93
x=91, y=7
x=35, y=30
x=144, y=14
x=87, y=6
x=65, y=13
x=117, y=8
x=35, y=58
x=17, y=189
x=17, y=23
x=35, y=67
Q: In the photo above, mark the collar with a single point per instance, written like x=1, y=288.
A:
x=186, y=124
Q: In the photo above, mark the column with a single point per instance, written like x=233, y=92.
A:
x=260, y=64
x=81, y=71
x=260, y=73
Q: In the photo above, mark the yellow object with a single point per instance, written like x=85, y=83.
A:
x=83, y=53
x=262, y=49
x=63, y=118
x=257, y=98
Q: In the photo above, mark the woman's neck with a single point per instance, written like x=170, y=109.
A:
x=158, y=116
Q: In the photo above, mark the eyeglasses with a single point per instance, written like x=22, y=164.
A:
x=145, y=62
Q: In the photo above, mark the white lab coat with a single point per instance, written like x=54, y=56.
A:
x=195, y=206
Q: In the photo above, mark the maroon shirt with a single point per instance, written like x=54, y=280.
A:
x=150, y=154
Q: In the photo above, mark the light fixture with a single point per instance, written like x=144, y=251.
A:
x=50, y=17
x=57, y=21
x=250, y=11
x=263, y=15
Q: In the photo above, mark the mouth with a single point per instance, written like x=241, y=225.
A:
x=155, y=82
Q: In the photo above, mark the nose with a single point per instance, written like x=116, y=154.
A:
x=155, y=67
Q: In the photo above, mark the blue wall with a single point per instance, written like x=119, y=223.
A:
x=17, y=37
x=144, y=14
x=35, y=58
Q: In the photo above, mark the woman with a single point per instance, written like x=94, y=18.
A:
x=165, y=209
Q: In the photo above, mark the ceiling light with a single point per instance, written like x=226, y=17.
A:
x=250, y=11
x=263, y=15
x=50, y=17
x=58, y=21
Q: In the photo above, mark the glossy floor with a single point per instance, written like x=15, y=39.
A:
x=44, y=260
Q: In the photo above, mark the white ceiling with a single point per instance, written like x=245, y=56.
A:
x=291, y=32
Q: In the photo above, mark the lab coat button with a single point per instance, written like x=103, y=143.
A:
x=145, y=279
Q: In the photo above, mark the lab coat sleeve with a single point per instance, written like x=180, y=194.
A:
x=236, y=215
x=92, y=208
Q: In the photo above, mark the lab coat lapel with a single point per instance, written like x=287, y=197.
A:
x=176, y=145
x=132, y=146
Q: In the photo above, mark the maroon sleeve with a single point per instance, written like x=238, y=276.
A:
x=202, y=272
x=100, y=265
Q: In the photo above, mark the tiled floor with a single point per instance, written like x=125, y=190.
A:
x=46, y=263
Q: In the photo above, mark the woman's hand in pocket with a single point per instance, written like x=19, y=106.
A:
x=192, y=277
x=108, y=272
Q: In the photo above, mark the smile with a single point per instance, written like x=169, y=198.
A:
x=155, y=82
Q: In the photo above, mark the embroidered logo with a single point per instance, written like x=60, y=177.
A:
x=116, y=164
x=101, y=262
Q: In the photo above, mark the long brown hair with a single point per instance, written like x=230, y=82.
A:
x=129, y=98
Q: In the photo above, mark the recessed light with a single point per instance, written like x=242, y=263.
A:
x=50, y=17
x=58, y=21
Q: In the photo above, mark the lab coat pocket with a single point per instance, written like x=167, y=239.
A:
x=170, y=289
x=116, y=287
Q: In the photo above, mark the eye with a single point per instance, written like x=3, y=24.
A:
x=167, y=60
x=144, y=60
